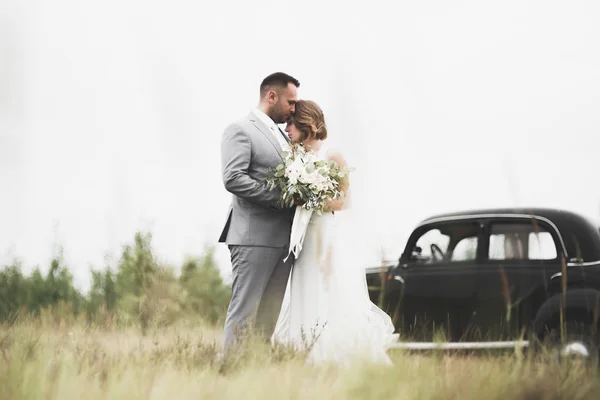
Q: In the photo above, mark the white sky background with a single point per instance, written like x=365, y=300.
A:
x=111, y=113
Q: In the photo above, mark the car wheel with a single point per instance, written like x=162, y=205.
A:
x=578, y=345
x=579, y=337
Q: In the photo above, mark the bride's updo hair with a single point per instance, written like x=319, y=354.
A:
x=310, y=120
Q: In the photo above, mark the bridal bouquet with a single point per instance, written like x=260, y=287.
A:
x=302, y=176
x=314, y=182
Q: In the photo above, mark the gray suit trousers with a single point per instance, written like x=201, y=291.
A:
x=259, y=281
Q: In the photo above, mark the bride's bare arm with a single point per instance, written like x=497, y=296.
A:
x=339, y=204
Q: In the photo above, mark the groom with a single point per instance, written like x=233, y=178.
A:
x=257, y=230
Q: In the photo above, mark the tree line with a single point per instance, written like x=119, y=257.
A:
x=140, y=290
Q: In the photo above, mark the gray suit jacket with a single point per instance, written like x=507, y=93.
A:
x=255, y=217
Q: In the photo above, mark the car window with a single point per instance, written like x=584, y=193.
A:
x=521, y=241
x=448, y=242
x=465, y=250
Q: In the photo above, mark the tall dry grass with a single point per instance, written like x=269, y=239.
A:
x=69, y=360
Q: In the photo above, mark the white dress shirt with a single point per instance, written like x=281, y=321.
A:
x=272, y=127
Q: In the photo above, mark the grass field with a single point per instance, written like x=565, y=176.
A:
x=69, y=361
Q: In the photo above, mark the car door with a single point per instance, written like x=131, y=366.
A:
x=436, y=279
x=521, y=256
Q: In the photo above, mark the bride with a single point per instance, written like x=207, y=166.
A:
x=327, y=310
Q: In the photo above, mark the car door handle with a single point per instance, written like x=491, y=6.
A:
x=399, y=278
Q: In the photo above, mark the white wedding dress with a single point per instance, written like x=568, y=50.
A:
x=326, y=309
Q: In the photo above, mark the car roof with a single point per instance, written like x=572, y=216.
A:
x=581, y=237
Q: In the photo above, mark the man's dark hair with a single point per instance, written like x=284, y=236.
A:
x=277, y=79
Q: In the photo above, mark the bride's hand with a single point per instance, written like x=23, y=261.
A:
x=340, y=203
x=335, y=205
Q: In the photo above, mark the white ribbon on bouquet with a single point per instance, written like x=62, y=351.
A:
x=299, y=226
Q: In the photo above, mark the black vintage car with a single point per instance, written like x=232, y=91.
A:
x=495, y=275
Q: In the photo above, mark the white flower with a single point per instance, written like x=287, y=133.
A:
x=292, y=177
x=295, y=166
x=309, y=178
x=294, y=170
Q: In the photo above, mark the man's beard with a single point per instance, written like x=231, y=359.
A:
x=279, y=118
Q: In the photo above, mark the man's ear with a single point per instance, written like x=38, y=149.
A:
x=272, y=96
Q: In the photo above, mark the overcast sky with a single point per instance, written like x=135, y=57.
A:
x=111, y=113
